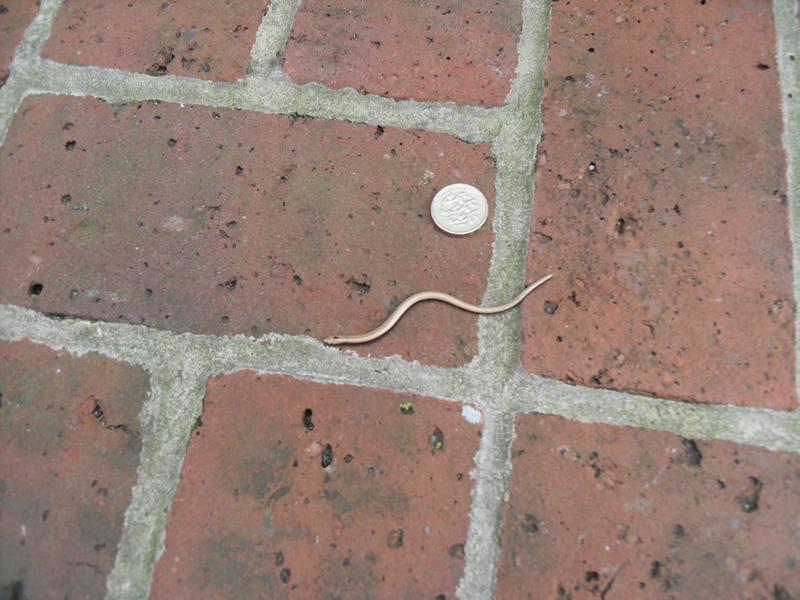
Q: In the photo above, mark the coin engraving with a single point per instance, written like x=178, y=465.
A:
x=459, y=209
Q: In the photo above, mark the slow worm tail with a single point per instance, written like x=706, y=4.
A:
x=439, y=296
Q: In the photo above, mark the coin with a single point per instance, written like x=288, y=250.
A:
x=459, y=209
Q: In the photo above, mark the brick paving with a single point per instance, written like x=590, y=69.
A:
x=282, y=232
x=194, y=195
x=460, y=51
x=325, y=491
x=666, y=212
x=677, y=517
x=71, y=440
x=194, y=39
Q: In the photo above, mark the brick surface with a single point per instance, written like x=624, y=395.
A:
x=70, y=441
x=257, y=515
x=601, y=511
x=208, y=40
x=463, y=51
x=660, y=205
x=15, y=16
x=223, y=222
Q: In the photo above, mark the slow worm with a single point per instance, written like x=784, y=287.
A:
x=423, y=296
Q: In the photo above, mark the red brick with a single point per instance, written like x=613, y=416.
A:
x=384, y=519
x=324, y=231
x=644, y=514
x=660, y=205
x=70, y=440
x=15, y=16
x=208, y=40
x=464, y=51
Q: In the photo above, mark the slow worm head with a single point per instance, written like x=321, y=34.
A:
x=423, y=296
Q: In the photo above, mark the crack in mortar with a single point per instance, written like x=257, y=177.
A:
x=787, y=29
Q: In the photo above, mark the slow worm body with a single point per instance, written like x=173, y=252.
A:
x=422, y=297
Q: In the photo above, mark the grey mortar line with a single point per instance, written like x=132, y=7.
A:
x=36, y=34
x=266, y=55
x=306, y=358
x=477, y=124
x=298, y=356
x=515, y=151
x=174, y=404
x=11, y=95
x=491, y=474
x=773, y=429
x=270, y=95
x=25, y=55
x=173, y=398
x=787, y=30
x=474, y=124
x=179, y=366
x=269, y=92
x=266, y=91
x=124, y=343
x=500, y=338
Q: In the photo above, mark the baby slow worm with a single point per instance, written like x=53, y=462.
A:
x=423, y=296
